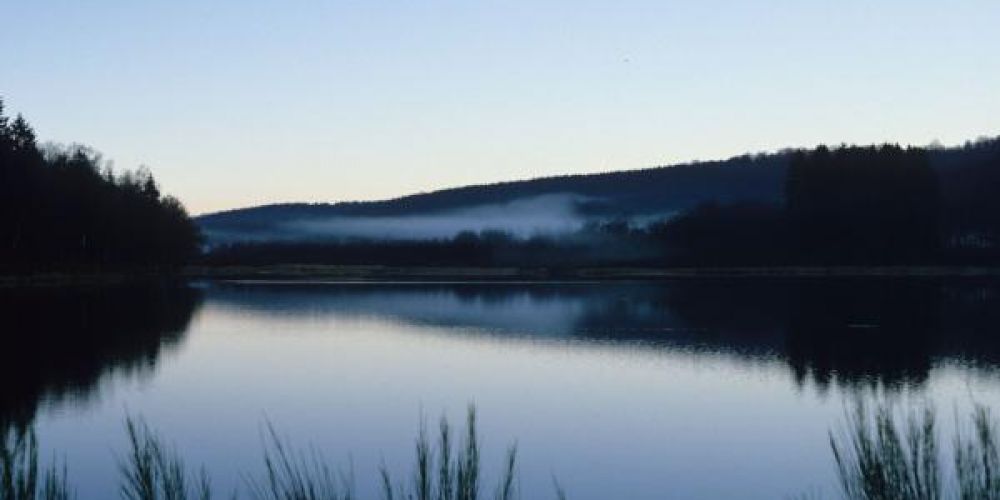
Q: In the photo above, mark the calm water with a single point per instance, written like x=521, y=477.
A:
x=690, y=389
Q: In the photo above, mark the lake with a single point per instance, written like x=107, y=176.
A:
x=680, y=389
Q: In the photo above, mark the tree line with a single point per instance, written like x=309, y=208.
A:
x=851, y=205
x=748, y=177
x=63, y=208
x=608, y=243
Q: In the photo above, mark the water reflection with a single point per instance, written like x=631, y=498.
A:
x=60, y=343
x=685, y=378
x=848, y=332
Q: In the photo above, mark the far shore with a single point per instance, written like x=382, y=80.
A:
x=375, y=274
x=472, y=274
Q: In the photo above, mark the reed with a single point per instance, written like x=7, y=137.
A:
x=885, y=456
x=977, y=465
x=457, y=466
x=20, y=475
x=291, y=475
x=152, y=470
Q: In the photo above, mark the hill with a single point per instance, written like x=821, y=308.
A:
x=518, y=206
x=966, y=176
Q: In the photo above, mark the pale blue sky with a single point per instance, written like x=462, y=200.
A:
x=233, y=103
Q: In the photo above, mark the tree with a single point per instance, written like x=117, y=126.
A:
x=22, y=136
x=63, y=209
x=863, y=205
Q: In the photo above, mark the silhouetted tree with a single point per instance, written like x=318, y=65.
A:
x=62, y=208
x=849, y=205
x=863, y=205
x=723, y=235
x=971, y=212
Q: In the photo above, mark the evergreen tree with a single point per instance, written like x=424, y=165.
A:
x=64, y=209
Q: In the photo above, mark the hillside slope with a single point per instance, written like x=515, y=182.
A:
x=636, y=193
x=556, y=204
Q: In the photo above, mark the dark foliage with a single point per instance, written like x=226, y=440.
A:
x=850, y=205
x=63, y=209
x=724, y=235
x=876, y=205
x=863, y=205
x=970, y=181
x=609, y=195
x=598, y=244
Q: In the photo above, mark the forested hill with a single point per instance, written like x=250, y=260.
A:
x=648, y=192
x=555, y=204
x=846, y=205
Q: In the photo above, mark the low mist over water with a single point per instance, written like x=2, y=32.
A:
x=552, y=214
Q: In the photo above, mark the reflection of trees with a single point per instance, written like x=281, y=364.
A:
x=60, y=343
x=834, y=330
x=847, y=331
x=853, y=332
x=842, y=331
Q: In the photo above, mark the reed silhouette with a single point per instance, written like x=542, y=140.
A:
x=21, y=477
x=887, y=454
x=881, y=453
x=153, y=470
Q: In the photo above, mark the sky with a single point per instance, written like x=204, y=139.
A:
x=233, y=103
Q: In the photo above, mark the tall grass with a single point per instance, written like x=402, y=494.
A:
x=879, y=454
x=457, y=468
x=884, y=456
x=151, y=471
x=977, y=465
x=877, y=460
x=20, y=476
x=291, y=475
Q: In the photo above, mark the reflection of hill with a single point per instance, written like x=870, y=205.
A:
x=843, y=331
x=60, y=343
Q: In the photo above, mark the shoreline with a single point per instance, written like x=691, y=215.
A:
x=375, y=274
x=379, y=274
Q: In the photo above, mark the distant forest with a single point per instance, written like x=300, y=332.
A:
x=847, y=205
x=65, y=209
x=757, y=177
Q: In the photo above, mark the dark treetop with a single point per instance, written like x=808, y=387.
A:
x=64, y=209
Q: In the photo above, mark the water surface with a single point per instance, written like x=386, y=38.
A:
x=686, y=389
